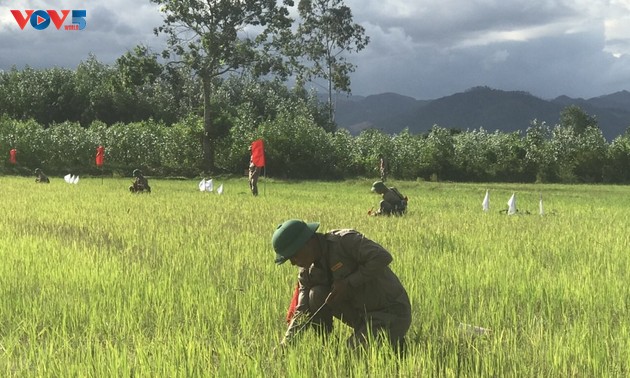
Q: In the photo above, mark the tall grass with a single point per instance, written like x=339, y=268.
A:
x=95, y=281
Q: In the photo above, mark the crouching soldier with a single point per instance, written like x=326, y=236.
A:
x=41, y=177
x=393, y=202
x=344, y=275
x=140, y=183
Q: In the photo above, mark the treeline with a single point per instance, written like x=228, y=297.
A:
x=150, y=116
x=136, y=88
x=296, y=147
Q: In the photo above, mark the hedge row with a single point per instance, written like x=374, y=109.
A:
x=297, y=148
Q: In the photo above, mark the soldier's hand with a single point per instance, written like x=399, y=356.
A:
x=339, y=292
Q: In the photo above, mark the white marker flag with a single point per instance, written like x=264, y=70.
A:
x=220, y=189
x=540, y=206
x=512, y=205
x=486, y=201
x=206, y=185
x=71, y=179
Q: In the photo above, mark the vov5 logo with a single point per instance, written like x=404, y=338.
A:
x=41, y=19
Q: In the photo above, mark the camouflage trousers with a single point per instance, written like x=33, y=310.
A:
x=391, y=323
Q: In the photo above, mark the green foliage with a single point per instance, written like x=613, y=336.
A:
x=297, y=134
x=295, y=146
x=342, y=145
x=208, y=37
x=509, y=153
x=30, y=141
x=246, y=103
x=46, y=96
x=68, y=147
x=139, y=67
x=180, y=153
x=538, y=157
x=591, y=155
x=404, y=159
x=578, y=146
x=438, y=152
x=619, y=158
x=577, y=119
x=137, y=144
x=368, y=145
x=474, y=152
x=136, y=88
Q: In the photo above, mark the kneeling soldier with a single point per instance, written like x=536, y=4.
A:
x=41, y=177
x=343, y=275
x=140, y=184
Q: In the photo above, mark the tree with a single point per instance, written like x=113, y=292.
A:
x=473, y=154
x=213, y=37
x=538, y=156
x=94, y=87
x=368, y=145
x=138, y=67
x=437, y=153
x=247, y=104
x=325, y=33
x=591, y=155
x=574, y=117
x=46, y=95
x=405, y=160
x=619, y=153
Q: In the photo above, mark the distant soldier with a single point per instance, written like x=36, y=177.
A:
x=393, y=203
x=140, y=184
x=383, y=167
x=254, y=172
x=41, y=177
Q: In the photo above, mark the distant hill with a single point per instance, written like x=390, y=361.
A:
x=485, y=107
x=383, y=110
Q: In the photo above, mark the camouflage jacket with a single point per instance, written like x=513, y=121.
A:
x=363, y=263
x=141, y=182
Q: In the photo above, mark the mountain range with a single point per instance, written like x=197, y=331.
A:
x=491, y=109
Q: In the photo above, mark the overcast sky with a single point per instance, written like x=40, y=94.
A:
x=425, y=49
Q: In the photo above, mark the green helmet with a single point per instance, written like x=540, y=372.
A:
x=136, y=173
x=379, y=187
x=290, y=236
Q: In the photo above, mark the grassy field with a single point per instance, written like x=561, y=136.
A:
x=97, y=282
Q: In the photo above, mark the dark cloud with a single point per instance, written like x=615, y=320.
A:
x=430, y=49
x=548, y=67
x=447, y=22
x=112, y=29
x=424, y=49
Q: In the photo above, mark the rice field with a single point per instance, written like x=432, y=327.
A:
x=98, y=282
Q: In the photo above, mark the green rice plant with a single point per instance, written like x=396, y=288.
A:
x=96, y=281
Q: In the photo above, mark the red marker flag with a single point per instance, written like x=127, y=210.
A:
x=13, y=156
x=258, y=153
x=293, y=304
x=100, y=156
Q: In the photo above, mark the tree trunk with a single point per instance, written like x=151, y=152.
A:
x=208, y=127
x=331, y=111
